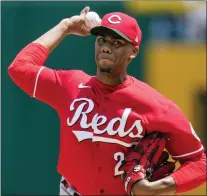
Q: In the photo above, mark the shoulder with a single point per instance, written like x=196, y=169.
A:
x=70, y=78
x=149, y=97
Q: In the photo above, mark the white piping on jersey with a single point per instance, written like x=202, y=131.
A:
x=113, y=141
x=35, y=86
x=84, y=135
x=187, y=154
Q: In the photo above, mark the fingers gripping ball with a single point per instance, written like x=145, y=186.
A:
x=92, y=19
x=146, y=161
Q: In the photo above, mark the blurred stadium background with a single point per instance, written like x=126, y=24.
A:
x=172, y=59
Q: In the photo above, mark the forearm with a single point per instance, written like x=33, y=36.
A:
x=28, y=66
x=165, y=186
x=55, y=35
x=37, y=52
x=25, y=67
x=191, y=174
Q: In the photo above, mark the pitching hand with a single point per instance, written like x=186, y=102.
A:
x=77, y=24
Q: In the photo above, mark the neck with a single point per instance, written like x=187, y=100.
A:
x=110, y=78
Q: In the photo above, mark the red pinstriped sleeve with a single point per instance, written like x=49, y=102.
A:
x=184, y=145
x=27, y=64
x=191, y=174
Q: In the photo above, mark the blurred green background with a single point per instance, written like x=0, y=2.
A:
x=172, y=59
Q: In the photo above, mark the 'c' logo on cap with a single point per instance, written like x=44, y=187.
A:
x=114, y=22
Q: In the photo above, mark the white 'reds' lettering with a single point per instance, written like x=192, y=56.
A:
x=80, y=111
x=121, y=129
x=97, y=121
x=86, y=106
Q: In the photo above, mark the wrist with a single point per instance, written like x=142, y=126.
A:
x=141, y=187
x=65, y=26
x=165, y=186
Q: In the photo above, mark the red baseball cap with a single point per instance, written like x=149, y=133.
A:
x=122, y=24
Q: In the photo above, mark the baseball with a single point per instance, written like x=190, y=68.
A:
x=92, y=19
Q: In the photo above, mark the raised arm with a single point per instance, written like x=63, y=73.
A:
x=75, y=25
x=27, y=69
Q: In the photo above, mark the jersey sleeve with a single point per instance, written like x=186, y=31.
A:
x=190, y=174
x=29, y=74
x=183, y=143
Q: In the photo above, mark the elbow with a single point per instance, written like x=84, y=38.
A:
x=13, y=70
x=10, y=69
x=191, y=174
x=15, y=67
x=202, y=166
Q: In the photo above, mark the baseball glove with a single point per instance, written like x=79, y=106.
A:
x=147, y=160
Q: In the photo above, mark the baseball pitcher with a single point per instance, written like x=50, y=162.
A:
x=116, y=131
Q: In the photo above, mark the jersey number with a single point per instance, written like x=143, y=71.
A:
x=118, y=156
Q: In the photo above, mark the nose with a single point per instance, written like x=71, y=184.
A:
x=106, y=49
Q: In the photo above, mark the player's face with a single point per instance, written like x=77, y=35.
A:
x=112, y=53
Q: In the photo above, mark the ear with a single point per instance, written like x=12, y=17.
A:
x=134, y=53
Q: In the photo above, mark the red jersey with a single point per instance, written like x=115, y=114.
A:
x=99, y=123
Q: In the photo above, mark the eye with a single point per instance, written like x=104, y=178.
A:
x=117, y=43
x=101, y=40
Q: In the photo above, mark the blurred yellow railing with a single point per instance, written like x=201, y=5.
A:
x=161, y=7
x=179, y=72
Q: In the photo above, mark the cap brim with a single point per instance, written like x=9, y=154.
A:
x=99, y=30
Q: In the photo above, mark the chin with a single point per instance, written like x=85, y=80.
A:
x=104, y=68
